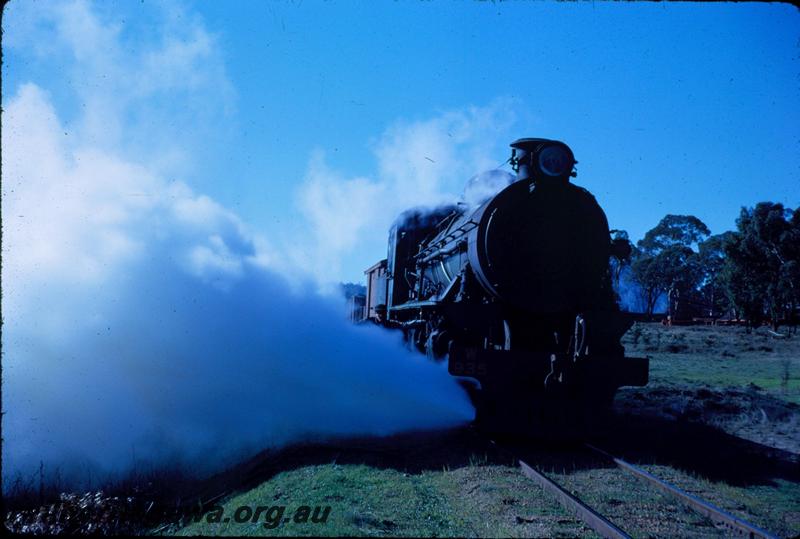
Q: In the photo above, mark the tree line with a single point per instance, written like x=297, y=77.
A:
x=751, y=273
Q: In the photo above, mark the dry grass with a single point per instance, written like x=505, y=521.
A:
x=719, y=357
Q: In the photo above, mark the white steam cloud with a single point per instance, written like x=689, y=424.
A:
x=141, y=317
x=485, y=185
x=420, y=164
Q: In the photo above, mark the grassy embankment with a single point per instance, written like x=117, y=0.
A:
x=721, y=357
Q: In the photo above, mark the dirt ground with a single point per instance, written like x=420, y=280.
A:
x=748, y=413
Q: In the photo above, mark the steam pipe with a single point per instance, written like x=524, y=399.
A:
x=443, y=252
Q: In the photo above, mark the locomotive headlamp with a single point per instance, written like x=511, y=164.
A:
x=537, y=159
x=556, y=160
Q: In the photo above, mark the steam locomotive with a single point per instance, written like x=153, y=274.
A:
x=515, y=292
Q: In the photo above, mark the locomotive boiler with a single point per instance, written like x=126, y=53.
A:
x=516, y=293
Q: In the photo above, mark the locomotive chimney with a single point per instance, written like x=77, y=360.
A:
x=539, y=159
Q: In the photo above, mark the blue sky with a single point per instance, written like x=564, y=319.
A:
x=309, y=120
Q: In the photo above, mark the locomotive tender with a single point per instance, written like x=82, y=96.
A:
x=516, y=293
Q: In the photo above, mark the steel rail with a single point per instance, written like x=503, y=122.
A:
x=595, y=520
x=732, y=523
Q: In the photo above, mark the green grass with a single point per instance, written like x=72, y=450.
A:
x=366, y=501
x=363, y=501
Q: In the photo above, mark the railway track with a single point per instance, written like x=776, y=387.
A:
x=732, y=525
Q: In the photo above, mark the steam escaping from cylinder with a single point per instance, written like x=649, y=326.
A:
x=169, y=366
x=144, y=322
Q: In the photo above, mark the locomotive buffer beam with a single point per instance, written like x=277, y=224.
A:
x=498, y=365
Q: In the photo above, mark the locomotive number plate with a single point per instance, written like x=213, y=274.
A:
x=467, y=362
x=467, y=368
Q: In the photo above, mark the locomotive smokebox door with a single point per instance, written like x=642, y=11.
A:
x=543, y=251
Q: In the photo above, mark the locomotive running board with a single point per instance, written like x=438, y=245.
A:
x=413, y=305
